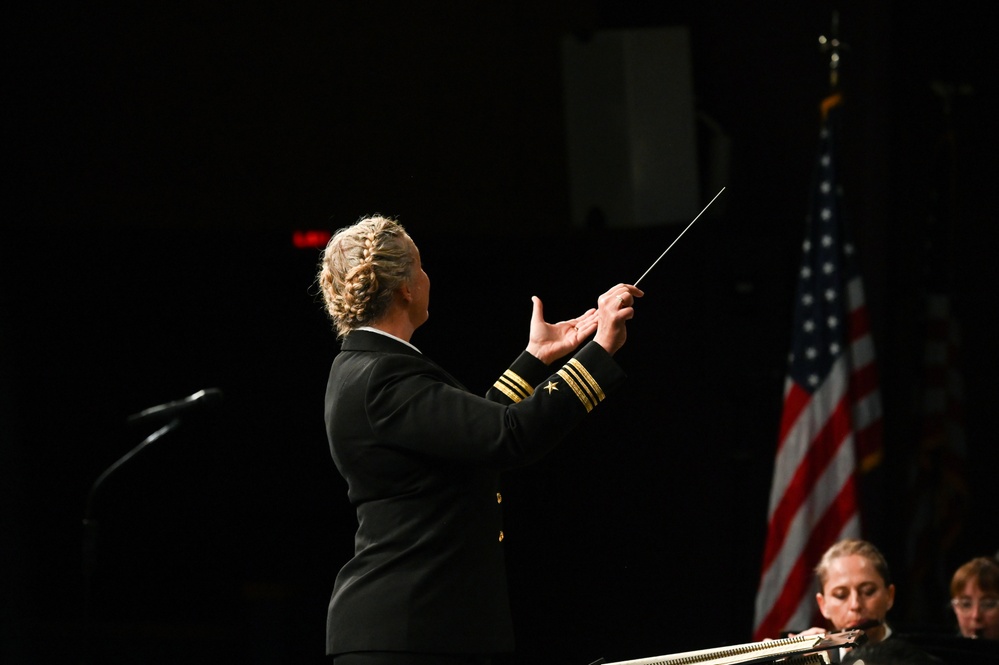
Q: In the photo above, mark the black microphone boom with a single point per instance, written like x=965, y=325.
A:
x=197, y=401
x=172, y=412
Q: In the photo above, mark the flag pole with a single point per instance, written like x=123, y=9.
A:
x=831, y=415
x=832, y=45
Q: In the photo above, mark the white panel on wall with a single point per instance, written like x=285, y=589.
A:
x=631, y=127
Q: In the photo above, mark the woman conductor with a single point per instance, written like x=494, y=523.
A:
x=421, y=455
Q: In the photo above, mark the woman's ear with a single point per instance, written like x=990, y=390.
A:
x=405, y=293
x=820, y=600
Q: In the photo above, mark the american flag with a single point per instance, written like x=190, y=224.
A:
x=830, y=428
x=938, y=495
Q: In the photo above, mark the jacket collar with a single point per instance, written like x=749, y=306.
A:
x=365, y=340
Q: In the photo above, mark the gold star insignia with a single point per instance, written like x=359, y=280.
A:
x=550, y=387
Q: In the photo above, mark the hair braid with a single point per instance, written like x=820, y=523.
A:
x=361, y=268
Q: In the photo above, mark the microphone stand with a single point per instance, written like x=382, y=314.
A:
x=90, y=534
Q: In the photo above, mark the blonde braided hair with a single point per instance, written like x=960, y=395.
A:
x=360, y=270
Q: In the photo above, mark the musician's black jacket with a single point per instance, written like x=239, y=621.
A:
x=421, y=457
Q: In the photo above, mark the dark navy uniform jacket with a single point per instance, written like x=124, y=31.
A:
x=421, y=457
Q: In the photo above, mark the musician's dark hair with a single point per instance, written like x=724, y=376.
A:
x=983, y=569
x=846, y=548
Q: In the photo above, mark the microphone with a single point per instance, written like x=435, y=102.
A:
x=196, y=402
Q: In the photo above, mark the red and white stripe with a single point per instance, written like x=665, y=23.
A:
x=813, y=498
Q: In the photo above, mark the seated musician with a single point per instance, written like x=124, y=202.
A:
x=855, y=589
x=974, y=592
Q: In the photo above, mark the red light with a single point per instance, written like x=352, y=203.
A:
x=310, y=239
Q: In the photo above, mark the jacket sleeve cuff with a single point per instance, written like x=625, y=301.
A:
x=517, y=383
x=592, y=373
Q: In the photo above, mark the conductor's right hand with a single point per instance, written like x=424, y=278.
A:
x=614, y=308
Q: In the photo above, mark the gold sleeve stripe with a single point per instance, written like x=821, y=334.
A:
x=588, y=379
x=571, y=382
x=500, y=386
x=513, y=378
x=581, y=386
x=514, y=387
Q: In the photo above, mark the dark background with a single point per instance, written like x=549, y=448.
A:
x=160, y=156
